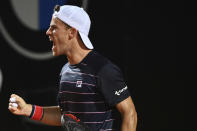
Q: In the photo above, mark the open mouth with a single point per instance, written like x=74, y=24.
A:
x=50, y=39
x=54, y=47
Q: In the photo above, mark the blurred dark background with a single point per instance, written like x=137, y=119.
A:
x=153, y=42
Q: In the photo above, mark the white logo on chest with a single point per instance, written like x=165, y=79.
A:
x=79, y=83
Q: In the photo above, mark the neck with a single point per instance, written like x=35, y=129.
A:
x=76, y=56
x=77, y=52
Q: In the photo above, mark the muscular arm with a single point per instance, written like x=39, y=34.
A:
x=128, y=113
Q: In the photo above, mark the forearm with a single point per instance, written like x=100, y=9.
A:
x=129, y=122
x=52, y=116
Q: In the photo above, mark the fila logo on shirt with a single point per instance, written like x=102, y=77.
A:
x=79, y=83
x=120, y=91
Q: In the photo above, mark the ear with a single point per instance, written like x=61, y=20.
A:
x=73, y=33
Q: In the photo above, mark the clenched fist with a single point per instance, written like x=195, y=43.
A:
x=18, y=106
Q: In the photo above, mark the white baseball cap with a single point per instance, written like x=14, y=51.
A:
x=77, y=18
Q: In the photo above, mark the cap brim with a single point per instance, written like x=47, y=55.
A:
x=86, y=41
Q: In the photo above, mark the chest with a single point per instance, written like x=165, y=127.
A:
x=78, y=80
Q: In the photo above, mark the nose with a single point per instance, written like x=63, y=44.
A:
x=48, y=32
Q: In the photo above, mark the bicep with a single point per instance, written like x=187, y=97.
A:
x=128, y=113
x=126, y=106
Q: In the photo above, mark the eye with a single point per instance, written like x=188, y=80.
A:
x=53, y=29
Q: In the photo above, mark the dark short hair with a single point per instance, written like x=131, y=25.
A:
x=56, y=8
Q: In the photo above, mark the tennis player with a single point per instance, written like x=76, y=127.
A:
x=92, y=92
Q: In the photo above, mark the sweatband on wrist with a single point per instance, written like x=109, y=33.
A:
x=37, y=113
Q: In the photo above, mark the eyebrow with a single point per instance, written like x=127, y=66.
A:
x=53, y=26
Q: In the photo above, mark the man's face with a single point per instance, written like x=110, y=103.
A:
x=58, y=34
